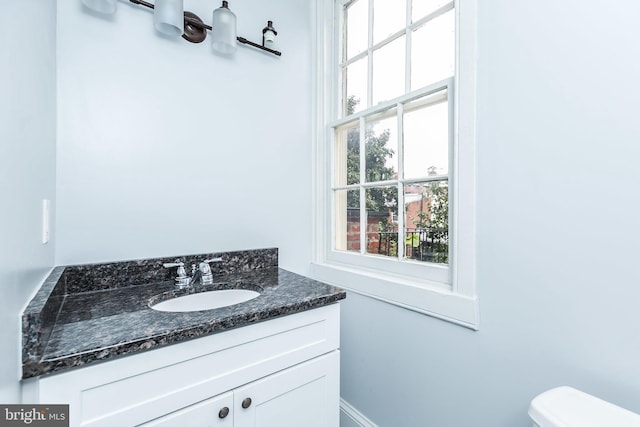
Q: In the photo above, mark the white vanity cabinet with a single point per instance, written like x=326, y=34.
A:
x=282, y=372
x=295, y=397
x=292, y=398
x=215, y=411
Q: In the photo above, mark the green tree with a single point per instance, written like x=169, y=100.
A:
x=439, y=210
x=432, y=223
x=435, y=212
x=439, y=206
x=381, y=199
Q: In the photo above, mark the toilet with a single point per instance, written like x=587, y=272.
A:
x=568, y=407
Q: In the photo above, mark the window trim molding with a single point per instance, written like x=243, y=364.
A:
x=459, y=303
x=439, y=303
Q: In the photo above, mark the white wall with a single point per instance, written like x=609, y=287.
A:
x=147, y=125
x=558, y=230
x=165, y=148
x=27, y=167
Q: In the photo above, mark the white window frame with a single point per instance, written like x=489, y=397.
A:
x=452, y=296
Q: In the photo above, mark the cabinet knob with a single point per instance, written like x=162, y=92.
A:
x=223, y=412
x=246, y=403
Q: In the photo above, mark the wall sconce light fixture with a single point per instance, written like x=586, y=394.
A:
x=268, y=34
x=224, y=29
x=170, y=18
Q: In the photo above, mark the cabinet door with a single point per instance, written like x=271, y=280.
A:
x=304, y=395
x=208, y=413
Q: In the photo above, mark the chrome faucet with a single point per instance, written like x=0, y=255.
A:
x=200, y=274
x=182, y=281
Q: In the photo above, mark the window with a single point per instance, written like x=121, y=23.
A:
x=395, y=145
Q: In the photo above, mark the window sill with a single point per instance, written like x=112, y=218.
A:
x=429, y=300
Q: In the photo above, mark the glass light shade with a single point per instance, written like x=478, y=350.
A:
x=269, y=36
x=168, y=17
x=224, y=30
x=102, y=6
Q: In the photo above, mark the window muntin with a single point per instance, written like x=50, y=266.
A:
x=356, y=94
x=440, y=290
x=392, y=145
x=433, y=39
x=408, y=168
x=347, y=220
x=381, y=146
x=426, y=130
x=426, y=236
x=400, y=51
x=346, y=155
x=388, y=71
x=356, y=28
x=389, y=17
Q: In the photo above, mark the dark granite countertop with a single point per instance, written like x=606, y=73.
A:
x=91, y=313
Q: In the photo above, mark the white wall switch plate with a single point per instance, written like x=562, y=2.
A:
x=46, y=220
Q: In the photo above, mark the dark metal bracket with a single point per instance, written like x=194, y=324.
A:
x=195, y=30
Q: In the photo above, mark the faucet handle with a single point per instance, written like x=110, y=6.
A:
x=181, y=278
x=180, y=272
x=173, y=264
x=207, y=276
x=204, y=265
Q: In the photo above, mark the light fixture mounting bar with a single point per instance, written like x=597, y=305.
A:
x=143, y=3
x=198, y=23
x=259, y=46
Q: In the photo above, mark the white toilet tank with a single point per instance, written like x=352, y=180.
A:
x=568, y=407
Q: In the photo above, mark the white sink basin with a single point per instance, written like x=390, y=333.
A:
x=206, y=300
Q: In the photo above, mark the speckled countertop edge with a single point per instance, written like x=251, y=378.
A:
x=40, y=315
x=85, y=331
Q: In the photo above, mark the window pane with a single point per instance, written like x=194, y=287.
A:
x=389, y=16
x=388, y=71
x=382, y=224
x=382, y=148
x=421, y=8
x=426, y=140
x=347, y=226
x=355, y=80
x=426, y=235
x=356, y=28
x=433, y=51
x=347, y=155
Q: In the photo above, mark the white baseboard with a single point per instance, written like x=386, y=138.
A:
x=351, y=417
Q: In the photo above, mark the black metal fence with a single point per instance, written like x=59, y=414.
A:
x=423, y=244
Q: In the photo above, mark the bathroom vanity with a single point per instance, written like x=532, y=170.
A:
x=91, y=340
